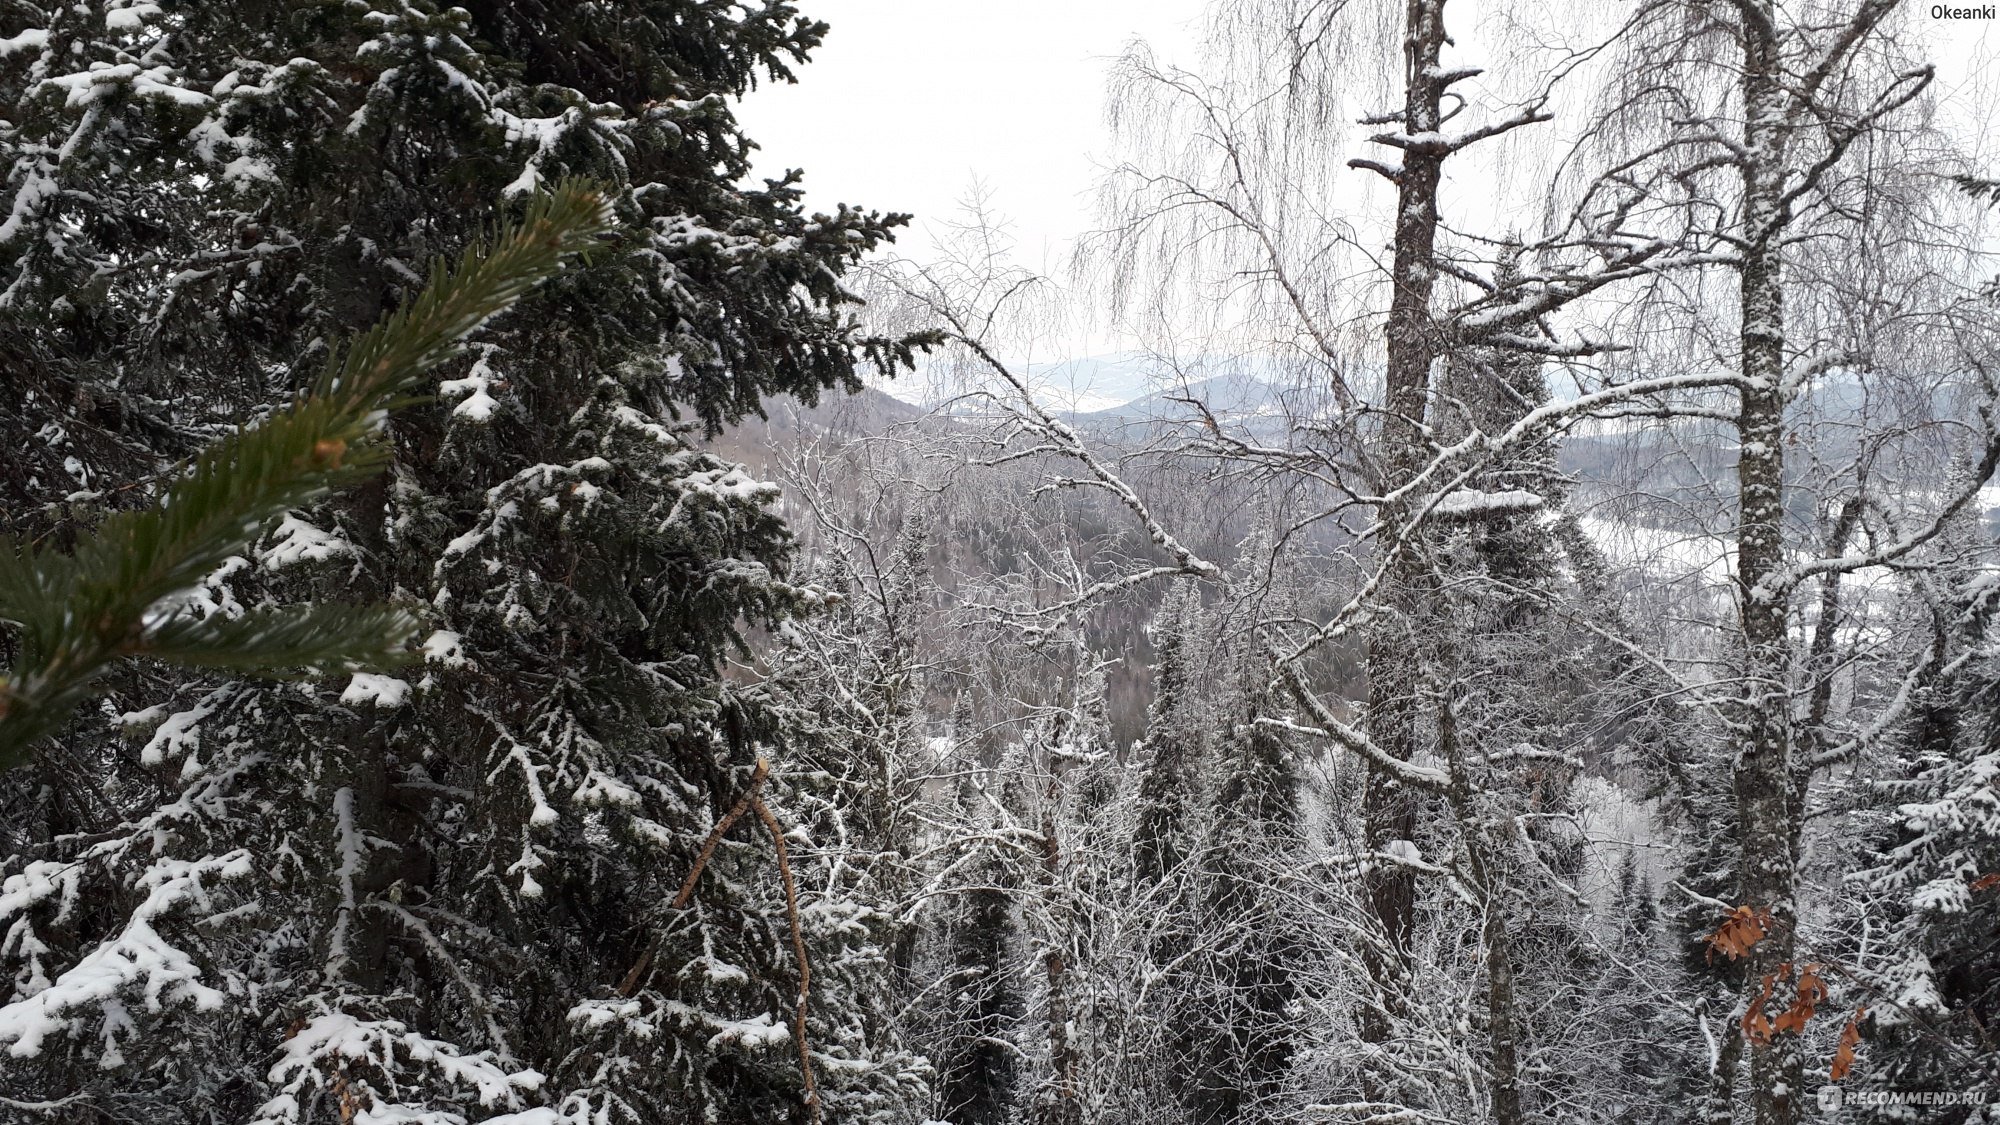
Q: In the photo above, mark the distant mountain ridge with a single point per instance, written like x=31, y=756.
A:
x=1225, y=397
x=1109, y=387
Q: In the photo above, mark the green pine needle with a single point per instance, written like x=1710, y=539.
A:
x=302, y=640
x=115, y=597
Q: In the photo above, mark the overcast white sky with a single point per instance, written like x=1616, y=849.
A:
x=909, y=100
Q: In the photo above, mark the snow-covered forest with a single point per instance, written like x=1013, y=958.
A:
x=515, y=614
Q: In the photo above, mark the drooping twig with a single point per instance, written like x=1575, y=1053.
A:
x=637, y=973
x=750, y=800
x=722, y=826
x=798, y=947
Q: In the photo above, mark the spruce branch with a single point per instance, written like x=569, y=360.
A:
x=123, y=592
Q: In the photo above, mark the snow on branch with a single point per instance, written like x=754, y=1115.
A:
x=340, y=1054
x=1348, y=738
x=1060, y=433
x=137, y=961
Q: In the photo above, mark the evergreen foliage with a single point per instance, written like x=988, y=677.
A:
x=1935, y=980
x=439, y=896
x=112, y=597
x=1174, y=739
x=1240, y=1021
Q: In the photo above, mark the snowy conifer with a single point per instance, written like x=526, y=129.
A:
x=445, y=895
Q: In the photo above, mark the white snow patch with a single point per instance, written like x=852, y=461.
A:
x=478, y=403
x=446, y=648
x=297, y=541
x=383, y=691
x=180, y=734
x=330, y=1040
x=137, y=957
x=758, y=1031
x=130, y=17
x=1471, y=501
x=33, y=39
x=1403, y=850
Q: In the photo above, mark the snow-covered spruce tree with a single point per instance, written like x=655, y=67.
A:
x=1224, y=936
x=1175, y=736
x=853, y=676
x=1237, y=1008
x=1166, y=828
x=1645, y=1071
x=442, y=897
x=973, y=1015
x=1935, y=998
x=1506, y=750
x=1514, y=746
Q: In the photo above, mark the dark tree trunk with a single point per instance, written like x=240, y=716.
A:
x=1389, y=808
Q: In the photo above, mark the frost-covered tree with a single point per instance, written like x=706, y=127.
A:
x=1933, y=999
x=448, y=895
x=1174, y=748
x=1805, y=160
x=1238, y=1015
x=977, y=1007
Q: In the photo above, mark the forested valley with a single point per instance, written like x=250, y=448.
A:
x=514, y=615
